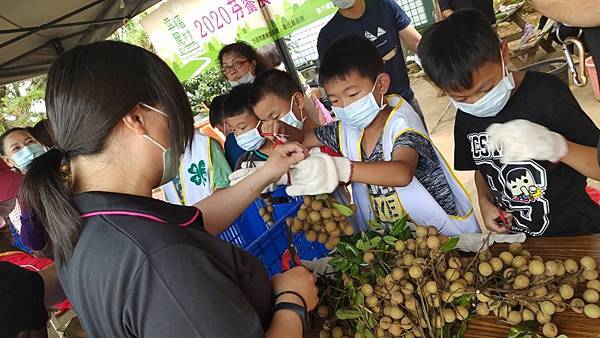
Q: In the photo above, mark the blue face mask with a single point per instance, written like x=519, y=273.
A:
x=24, y=156
x=291, y=119
x=494, y=100
x=248, y=78
x=360, y=113
x=343, y=4
x=250, y=140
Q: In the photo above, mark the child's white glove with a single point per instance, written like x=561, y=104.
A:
x=522, y=140
x=240, y=174
x=315, y=175
x=343, y=168
x=474, y=242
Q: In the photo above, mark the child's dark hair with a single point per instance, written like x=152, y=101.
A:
x=352, y=53
x=275, y=82
x=452, y=50
x=236, y=103
x=215, y=111
x=90, y=89
x=5, y=135
x=245, y=50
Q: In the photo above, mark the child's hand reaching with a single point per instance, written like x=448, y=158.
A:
x=494, y=218
x=274, y=130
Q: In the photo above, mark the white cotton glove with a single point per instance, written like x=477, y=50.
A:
x=240, y=174
x=343, y=167
x=473, y=242
x=522, y=140
x=315, y=175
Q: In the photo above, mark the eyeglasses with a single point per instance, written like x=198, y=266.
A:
x=236, y=65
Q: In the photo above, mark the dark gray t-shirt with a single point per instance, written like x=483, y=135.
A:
x=146, y=268
x=429, y=171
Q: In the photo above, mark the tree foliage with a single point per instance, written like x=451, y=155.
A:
x=17, y=100
x=203, y=88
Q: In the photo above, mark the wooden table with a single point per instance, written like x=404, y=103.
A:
x=569, y=323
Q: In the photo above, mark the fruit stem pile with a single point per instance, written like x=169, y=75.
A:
x=389, y=284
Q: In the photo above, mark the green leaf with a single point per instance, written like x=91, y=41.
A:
x=351, y=248
x=345, y=267
x=335, y=260
x=345, y=314
x=375, y=241
x=462, y=330
x=359, y=299
x=344, y=210
x=322, y=197
x=361, y=245
x=374, y=225
x=523, y=330
x=445, y=331
x=464, y=300
x=449, y=245
x=354, y=271
x=368, y=334
x=371, y=321
x=391, y=240
x=530, y=325
x=398, y=228
x=360, y=327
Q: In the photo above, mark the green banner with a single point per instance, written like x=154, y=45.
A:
x=188, y=34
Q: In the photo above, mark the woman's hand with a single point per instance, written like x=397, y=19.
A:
x=300, y=280
x=282, y=158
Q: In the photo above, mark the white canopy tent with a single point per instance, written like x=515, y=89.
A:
x=34, y=32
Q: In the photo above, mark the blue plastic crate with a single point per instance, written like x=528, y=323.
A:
x=252, y=234
x=271, y=245
x=250, y=225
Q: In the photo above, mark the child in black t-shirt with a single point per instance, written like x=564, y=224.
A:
x=464, y=56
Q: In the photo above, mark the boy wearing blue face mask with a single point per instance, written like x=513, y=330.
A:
x=239, y=119
x=397, y=171
x=464, y=57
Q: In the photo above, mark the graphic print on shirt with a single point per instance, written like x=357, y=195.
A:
x=199, y=173
x=385, y=203
x=380, y=40
x=516, y=186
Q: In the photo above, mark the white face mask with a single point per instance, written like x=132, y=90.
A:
x=290, y=118
x=360, y=113
x=343, y=4
x=493, y=101
x=250, y=140
x=248, y=78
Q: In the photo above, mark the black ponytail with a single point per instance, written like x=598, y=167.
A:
x=46, y=190
x=90, y=89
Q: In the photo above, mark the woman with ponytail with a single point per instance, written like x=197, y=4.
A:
x=131, y=265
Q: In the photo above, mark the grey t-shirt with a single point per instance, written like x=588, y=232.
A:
x=429, y=170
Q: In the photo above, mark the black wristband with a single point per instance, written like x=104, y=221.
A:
x=292, y=293
x=299, y=310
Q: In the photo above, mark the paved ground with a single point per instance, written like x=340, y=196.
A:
x=441, y=122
